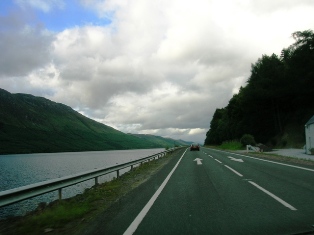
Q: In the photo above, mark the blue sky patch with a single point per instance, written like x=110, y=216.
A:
x=57, y=19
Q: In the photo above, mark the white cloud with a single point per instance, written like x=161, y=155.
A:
x=160, y=67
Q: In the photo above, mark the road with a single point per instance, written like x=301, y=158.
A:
x=296, y=153
x=215, y=192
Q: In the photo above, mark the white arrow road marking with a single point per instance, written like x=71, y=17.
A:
x=235, y=159
x=198, y=160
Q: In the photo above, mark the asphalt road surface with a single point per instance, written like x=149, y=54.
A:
x=215, y=192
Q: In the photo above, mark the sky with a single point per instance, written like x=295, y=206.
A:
x=152, y=67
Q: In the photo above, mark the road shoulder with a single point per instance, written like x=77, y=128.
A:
x=274, y=157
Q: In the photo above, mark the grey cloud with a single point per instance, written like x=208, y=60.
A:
x=182, y=114
x=24, y=47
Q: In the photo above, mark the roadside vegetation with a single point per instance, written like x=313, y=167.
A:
x=69, y=216
x=246, y=139
x=274, y=105
x=231, y=145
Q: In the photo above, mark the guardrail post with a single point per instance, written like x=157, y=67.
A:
x=60, y=193
x=131, y=167
x=96, y=180
x=118, y=174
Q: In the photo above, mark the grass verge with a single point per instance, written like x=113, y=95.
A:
x=231, y=145
x=68, y=216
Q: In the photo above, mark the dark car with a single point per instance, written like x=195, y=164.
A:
x=195, y=147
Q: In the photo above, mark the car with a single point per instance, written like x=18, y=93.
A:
x=195, y=147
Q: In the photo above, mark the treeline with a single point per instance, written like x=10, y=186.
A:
x=277, y=100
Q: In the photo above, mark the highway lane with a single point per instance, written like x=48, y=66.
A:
x=295, y=185
x=212, y=199
x=222, y=195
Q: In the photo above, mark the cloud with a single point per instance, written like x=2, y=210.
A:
x=24, y=47
x=104, y=9
x=42, y=5
x=159, y=67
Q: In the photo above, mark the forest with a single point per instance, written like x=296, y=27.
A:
x=275, y=103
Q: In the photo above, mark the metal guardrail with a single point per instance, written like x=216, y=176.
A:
x=12, y=196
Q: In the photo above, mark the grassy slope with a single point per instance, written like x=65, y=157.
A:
x=33, y=124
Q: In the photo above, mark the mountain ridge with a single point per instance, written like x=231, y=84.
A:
x=31, y=124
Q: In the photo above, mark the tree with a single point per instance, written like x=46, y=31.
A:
x=247, y=139
x=213, y=136
x=300, y=71
x=265, y=98
x=278, y=93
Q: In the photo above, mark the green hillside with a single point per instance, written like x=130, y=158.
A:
x=30, y=124
x=276, y=102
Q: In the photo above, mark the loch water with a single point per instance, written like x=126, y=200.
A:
x=24, y=169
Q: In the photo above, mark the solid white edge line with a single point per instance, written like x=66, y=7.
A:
x=136, y=222
x=273, y=196
x=218, y=161
x=234, y=171
x=283, y=164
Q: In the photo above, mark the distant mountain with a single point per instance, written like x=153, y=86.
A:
x=30, y=124
x=165, y=142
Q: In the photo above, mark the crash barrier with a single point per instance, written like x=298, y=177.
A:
x=12, y=196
